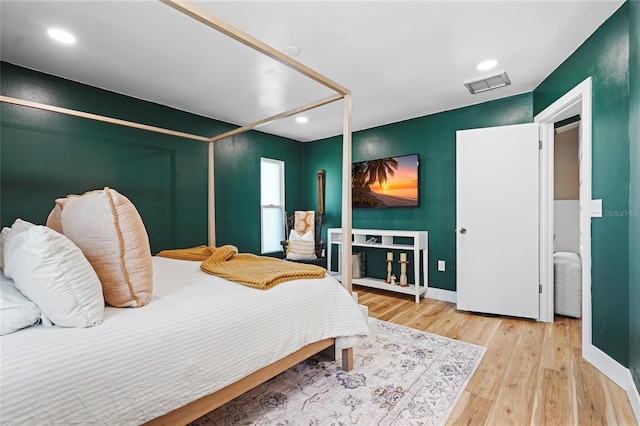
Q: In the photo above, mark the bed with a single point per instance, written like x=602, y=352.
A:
x=198, y=335
x=168, y=362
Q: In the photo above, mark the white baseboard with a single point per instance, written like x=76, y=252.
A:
x=634, y=396
x=616, y=372
x=440, y=294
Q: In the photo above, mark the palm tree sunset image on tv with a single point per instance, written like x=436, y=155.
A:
x=385, y=182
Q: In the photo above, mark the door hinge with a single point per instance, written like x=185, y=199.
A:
x=540, y=288
x=539, y=144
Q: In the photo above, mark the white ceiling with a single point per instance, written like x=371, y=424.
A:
x=400, y=59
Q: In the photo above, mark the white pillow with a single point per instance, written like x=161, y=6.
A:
x=16, y=311
x=3, y=237
x=301, y=247
x=18, y=227
x=297, y=236
x=50, y=270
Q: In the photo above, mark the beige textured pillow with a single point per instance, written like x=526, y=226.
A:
x=109, y=231
x=54, y=220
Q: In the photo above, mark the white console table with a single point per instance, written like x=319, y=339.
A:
x=386, y=239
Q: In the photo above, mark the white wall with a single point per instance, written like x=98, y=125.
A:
x=565, y=225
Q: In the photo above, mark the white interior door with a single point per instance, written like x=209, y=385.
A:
x=497, y=220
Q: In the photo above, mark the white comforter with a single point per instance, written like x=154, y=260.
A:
x=199, y=334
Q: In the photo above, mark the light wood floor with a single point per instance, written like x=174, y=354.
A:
x=532, y=373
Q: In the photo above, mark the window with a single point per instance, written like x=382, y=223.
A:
x=271, y=204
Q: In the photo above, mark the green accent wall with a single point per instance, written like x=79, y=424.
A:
x=237, y=163
x=45, y=155
x=634, y=191
x=605, y=57
x=433, y=138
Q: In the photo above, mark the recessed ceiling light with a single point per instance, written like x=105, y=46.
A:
x=61, y=35
x=302, y=120
x=291, y=51
x=487, y=65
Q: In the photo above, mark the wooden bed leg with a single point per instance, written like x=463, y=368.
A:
x=347, y=359
x=347, y=356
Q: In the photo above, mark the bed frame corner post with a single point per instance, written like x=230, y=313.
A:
x=346, y=266
x=211, y=198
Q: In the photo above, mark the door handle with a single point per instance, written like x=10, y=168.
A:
x=463, y=230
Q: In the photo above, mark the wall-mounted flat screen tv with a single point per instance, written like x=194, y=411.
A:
x=386, y=182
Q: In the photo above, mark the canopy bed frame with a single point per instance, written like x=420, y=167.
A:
x=200, y=407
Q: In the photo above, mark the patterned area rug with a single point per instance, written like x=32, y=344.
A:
x=401, y=377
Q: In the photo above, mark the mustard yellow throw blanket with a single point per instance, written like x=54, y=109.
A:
x=245, y=268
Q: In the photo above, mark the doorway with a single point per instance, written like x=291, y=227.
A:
x=567, y=264
x=577, y=102
x=566, y=193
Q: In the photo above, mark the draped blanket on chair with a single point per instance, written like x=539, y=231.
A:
x=245, y=268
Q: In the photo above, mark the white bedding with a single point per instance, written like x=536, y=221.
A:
x=198, y=334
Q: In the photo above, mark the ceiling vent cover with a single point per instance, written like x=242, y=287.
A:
x=487, y=83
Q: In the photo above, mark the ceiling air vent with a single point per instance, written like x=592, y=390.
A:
x=487, y=83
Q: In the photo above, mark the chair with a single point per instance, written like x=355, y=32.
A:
x=303, y=230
